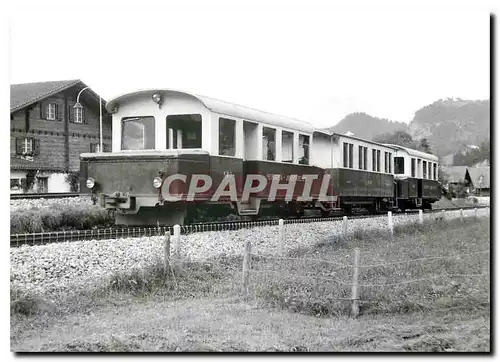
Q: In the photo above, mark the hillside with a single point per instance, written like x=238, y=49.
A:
x=365, y=126
x=451, y=124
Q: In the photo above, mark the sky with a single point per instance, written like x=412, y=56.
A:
x=316, y=63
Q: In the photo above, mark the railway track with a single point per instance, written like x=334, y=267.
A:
x=17, y=240
x=52, y=195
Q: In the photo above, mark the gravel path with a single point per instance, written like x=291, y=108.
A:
x=60, y=267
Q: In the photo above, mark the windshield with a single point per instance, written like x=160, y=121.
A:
x=138, y=133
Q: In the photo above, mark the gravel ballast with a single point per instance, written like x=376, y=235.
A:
x=61, y=267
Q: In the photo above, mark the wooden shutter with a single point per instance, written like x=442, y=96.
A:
x=57, y=111
x=42, y=111
x=84, y=116
x=36, y=146
x=19, y=146
x=70, y=113
x=23, y=184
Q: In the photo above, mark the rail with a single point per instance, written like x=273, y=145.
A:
x=41, y=238
x=51, y=195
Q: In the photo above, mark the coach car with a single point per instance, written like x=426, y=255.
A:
x=167, y=144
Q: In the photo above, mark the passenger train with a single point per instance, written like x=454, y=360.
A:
x=165, y=142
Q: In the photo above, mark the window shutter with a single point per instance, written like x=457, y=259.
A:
x=84, y=116
x=56, y=111
x=70, y=113
x=42, y=111
x=19, y=146
x=23, y=184
x=36, y=146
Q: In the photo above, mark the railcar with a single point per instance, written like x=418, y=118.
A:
x=175, y=153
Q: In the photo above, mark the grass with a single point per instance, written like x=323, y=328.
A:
x=57, y=217
x=200, y=307
x=291, y=284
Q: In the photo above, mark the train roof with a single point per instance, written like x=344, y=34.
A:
x=225, y=108
x=416, y=153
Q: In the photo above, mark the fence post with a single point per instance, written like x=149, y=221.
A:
x=420, y=216
x=246, y=266
x=167, y=253
x=475, y=213
x=443, y=212
x=389, y=223
x=462, y=215
x=344, y=226
x=355, y=276
x=177, y=244
x=280, y=236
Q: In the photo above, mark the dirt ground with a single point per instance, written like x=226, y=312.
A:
x=238, y=325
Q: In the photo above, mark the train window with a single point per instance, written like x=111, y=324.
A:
x=304, y=149
x=424, y=165
x=138, y=133
x=227, y=137
x=269, y=143
x=378, y=160
x=287, y=146
x=399, y=165
x=184, y=131
x=434, y=166
x=360, y=157
x=386, y=162
x=374, y=160
x=351, y=155
x=390, y=162
x=348, y=155
x=345, y=154
x=365, y=158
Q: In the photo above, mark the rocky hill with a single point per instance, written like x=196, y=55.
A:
x=452, y=124
x=449, y=125
x=365, y=126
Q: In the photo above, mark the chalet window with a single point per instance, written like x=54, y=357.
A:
x=413, y=167
x=52, y=111
x=27, y=146
x=227, y=137
x=287, y=146
x=304, y=149
x=269, y=144
x=184, y=131
x=138, y=133
x=78, y=112
x=399, y=165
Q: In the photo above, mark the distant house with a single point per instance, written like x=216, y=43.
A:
x=455, y=180
x=48, y=134
x=447, y=160
x=478, y=180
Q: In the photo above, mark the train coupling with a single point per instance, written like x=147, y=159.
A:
x=116, y=200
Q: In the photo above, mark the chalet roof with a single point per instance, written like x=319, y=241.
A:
x=456, y=174
x=475, y=174
x=25, y=94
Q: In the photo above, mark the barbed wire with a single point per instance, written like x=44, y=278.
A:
x=420, y=280
x=306, y=259
x=422, y=259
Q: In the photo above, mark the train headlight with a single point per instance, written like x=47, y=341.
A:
x=157, y=182
x=90, y=183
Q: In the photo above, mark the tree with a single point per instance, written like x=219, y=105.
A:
x=424, y=145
